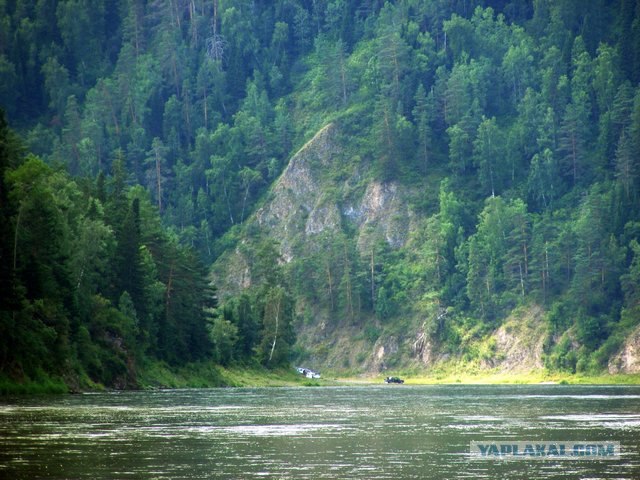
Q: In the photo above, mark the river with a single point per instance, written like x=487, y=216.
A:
x=362, y=432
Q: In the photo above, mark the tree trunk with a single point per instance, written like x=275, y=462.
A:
x=330, y=285
x=15, y=238
x=158, y=179
x=275, y=333
x=373, y=292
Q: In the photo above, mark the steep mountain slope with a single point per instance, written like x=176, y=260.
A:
x=305, y=204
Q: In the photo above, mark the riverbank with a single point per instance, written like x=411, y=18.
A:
x=208, y=375
x=42, y=385
x=159, y=375
x=501, y=378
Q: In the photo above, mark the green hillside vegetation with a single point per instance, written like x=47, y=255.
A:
x=151, y=131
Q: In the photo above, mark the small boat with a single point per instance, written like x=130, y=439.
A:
x=393, y=380
x=307, y=372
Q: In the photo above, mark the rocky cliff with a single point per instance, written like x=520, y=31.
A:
x=298, y=205
x=628, y=359
x=324, y=192
x=307, y=200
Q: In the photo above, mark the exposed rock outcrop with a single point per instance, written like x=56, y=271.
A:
x=298, y=204
x=422, y=348
x=383, y=352
x=628, y=359
x=308, y=201
x=381, y=213
x=517, y=345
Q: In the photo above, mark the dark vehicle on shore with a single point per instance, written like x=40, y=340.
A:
x=393, y=380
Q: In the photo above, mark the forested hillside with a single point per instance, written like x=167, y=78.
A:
x=508, y=133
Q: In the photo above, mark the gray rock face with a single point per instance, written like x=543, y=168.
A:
x=306, y=201
x=297, y=205
x=628, y=359
x=381, y=212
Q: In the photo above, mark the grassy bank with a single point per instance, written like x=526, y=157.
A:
x=43, y=384
x=156, y=375
x=207, y=375
x=501, y=378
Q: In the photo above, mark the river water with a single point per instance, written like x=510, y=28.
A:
x=364, y=432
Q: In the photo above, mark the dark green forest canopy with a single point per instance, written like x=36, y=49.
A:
x=157, y=127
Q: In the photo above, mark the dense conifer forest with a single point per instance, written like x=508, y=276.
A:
x=140, y=136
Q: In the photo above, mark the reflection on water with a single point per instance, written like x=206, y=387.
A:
x=373, y=432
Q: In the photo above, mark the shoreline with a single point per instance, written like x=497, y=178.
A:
x=208, y=376
x=525, y=378
x=494, y=378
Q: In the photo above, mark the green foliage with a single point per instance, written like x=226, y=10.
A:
x=39, y=385
x=277, y=331
x=564, y=356
x=371, y=333
x=224, y=336
x=529, y=112
x=93, y=289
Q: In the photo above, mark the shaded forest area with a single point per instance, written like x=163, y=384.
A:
x=156, y=127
